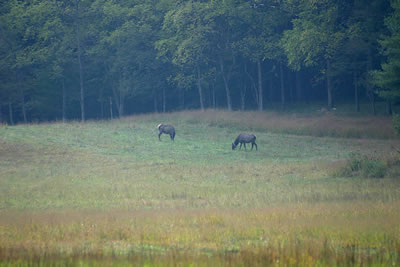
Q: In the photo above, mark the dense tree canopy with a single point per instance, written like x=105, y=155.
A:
x=388, y=79
x=86, y=59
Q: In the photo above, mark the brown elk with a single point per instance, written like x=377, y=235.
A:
x=166, y=129
x=244, y=138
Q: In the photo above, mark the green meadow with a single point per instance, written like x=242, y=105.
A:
x=322, y=189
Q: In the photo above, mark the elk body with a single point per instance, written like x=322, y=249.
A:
x=243, y=139
x=166, y=129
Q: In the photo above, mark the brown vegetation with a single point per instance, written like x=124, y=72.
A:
x=327, y=124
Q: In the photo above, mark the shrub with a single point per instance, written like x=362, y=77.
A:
x=363, y=166
x=373, y=169
x=396, y=123
x=355, y=162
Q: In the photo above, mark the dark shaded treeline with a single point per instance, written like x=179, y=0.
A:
x=86, y=59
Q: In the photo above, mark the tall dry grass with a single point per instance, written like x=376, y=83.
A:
x=304, y=234
x=316, y=124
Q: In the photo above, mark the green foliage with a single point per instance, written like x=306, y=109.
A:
x=396, y=123
x=373, y=169
x=320, y=34
x=137, y=54
x=388, y=78
x=364, y=167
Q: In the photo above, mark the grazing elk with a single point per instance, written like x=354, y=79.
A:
x=167, y=129
x=243, y=139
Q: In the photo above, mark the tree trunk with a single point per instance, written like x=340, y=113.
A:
x=102, y=109
x=328, y=83
x=389, y=107
x=271, y=87
x=291, y=87
x=111, y=108
x=260, y=90
x=183, y=99
x=10, y=111
x=64, y=101
x=78, y=42
x=22, y=95
x=121, y=106
x=199, y=88
x=23, y=106
x=253, y=85
x=283, y=100
x=119, y=99
x=299, y=93
x=226, y=85
x=119, y=96
x=356, y=94
x=370, y=91
x=373, y=103
x=116, y=99
x=243, y=92
x=164, y=102
x=213, y=100
x=242, y=97
x=101, y=101
x=155, y=101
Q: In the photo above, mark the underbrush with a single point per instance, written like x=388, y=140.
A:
x=369, y=166
x=330, y=234
x=300, y=254
x=318, y=124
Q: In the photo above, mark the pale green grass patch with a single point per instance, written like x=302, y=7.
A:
x=112, y=188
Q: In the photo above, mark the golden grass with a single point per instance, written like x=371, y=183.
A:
x=318, y=124
x=301, y=234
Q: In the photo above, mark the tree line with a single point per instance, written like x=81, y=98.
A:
x=89, y=59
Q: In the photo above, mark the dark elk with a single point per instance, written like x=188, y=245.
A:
x=243, y=139
x=166, y=129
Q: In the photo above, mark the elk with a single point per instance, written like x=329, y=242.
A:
x=244, y=138
x=166, y=129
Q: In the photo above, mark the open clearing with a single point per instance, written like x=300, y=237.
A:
x=110, y=192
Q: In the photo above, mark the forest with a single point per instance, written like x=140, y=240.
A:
x=102, y=59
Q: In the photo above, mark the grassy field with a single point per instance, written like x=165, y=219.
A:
x=322, y=189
